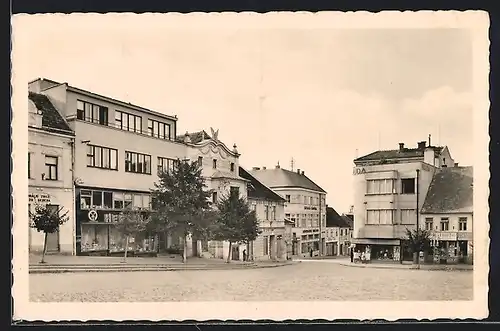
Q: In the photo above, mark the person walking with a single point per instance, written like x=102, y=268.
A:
x=244, y=255
x=352, y=255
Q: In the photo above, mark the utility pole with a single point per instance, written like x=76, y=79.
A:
x=418, y=223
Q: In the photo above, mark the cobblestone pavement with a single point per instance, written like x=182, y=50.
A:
x=300, y=282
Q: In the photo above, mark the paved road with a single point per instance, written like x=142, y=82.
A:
x=301, y=282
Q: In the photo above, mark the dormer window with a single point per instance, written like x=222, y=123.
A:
x=214, y=163
x=232, y=166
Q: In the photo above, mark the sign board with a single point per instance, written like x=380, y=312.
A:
x=310, y=208
x=358, y=171
x=92, y=215
x=445, y=236
x=39, y=198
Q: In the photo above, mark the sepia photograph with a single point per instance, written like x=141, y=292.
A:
x=245, y=166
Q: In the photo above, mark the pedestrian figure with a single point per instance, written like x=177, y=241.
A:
x=311, y=252
x=244, y=255
x=352, y=255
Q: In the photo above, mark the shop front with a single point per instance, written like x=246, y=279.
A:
x=97, y=211
x=377, y=250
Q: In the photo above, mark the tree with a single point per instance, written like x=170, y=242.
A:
x=47, y=219
x=236, y=222
x=418, y=241
x=130, y=223
x=180, y=202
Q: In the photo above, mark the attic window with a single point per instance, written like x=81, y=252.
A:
x=214, y=163
x=232, y=166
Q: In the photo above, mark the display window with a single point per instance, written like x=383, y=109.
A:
x=94, y=237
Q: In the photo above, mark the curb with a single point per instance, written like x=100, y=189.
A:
x=84, y=269
x=406, y=268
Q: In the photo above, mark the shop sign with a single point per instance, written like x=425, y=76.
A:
x=464, y=236
x=445, y=236
x=92, y=215
x=39, y=198
x=310, y=208
x=358, y=171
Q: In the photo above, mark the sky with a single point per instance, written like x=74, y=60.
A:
x=319, y=96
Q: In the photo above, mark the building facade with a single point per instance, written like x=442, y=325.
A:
x=50, y=176
x=305, y=206
x=271, y=244
x=447, y=213
x=118, y=150
x=338, y=233
x=390, y=189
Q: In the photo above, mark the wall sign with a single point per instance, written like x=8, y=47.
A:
x=92, y=215
x=358, y=171
x=41, y=198
x=310, y=208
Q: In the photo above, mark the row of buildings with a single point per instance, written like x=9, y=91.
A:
x=403, y=188
x=94, y=156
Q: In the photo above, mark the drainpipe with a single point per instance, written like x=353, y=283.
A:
x=418, y=227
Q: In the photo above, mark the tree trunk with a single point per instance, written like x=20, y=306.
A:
x=184, y=250
x=229, y=253
x=44, y=248
x=126, y=250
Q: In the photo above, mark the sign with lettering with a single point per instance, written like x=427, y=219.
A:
x=92, y=215
x=358, y=171
x=310, y=208
x=445, y=236
x=39, y=198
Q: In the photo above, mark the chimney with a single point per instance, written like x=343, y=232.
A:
x=263, y=168
x=401, y=147
x=255, y=168
x=302, y=172
x=277, y=166
x=456, y=164
x=298, y=171
x=421, y=144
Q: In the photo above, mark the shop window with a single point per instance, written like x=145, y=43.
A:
x=146, y=201
x=108, y=200
x=97, y=199
x=408, y=186
x=94, y=237
x=137, y=201
x=118, y=200
x=127, y=200
x=85, y=199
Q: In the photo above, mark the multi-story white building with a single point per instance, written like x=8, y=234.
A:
x=305, y=206
x=50, y=177
x=338, y=233
x=447, y=213
x=390, y=188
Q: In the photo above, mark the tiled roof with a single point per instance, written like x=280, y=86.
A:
x=333, y=219
x=349, y=219
x=258, y=190
x=450, y=191
x=279, y=177
x=196, y=137
x=51, y=119
x=396, y=154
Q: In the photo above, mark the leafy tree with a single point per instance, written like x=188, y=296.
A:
x=47, y=219
x=418, y=240
x=131, y=222
x=181, y=203
x=236, y=222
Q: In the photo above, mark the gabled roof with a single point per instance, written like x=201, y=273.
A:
x=51, y=118
x=333, y=219
x=450, y=191
x=349, y=219
x=195, y=137
x=406, y=153
x=281, y=178
x=257, y=190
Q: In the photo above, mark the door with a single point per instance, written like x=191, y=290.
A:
x=53, y=238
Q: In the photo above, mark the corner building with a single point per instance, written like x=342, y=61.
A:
x=390, y=187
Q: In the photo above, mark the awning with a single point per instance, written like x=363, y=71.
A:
x=366, y=241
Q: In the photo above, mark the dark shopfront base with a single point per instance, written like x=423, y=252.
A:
x=118, y=254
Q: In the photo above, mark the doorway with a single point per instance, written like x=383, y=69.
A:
x=235, y=252
x=53, y=238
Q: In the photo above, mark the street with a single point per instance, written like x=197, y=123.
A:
x=300, y=282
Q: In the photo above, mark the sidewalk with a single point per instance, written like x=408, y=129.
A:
x=60, y=264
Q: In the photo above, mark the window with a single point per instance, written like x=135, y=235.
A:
x=287, y=197
x=118, y=200
x=380, y=216
x=235, y=190
x=158, y=129
x=266, y=210
x=445, y=224
x=85, y=199
x=165, y=164
x=408, y=186
x=200, y=161
x=214, y=197
x=102, y=157
x=89, y=112
x=214, y=163
x=232, y=166
x=128, y=122
x=29, y=165
x=137, y=163
x=96, y=199
x=108, y=200
x=273, y=212
x=380, y=186
x=50, y=167
x=408, y=216
x=265, y=243
x=429, y=223
x=462, y=223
